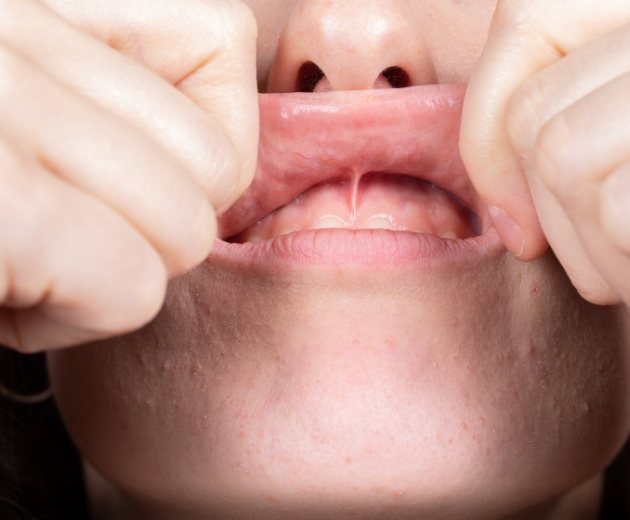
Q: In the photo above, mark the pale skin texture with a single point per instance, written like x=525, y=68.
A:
x=71, y=134
x=292, y=389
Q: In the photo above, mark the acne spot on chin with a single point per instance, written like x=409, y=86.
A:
x=390, y=343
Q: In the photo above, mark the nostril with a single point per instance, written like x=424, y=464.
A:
x=308, y=77
x=396, y=77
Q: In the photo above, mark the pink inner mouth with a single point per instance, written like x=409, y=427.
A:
x=373, y=201
x=359, y=160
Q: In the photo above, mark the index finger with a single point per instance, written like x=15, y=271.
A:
x=525, y=38
x=205, y=48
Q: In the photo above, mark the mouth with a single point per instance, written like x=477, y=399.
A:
x=350, y=171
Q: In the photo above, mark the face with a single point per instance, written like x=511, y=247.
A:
x=355, y=373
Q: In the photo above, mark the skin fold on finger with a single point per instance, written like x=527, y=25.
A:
x=207, y=50
x=587, y=140
x=553, y=90
x=71, y=269
x=110, y=159
x=568, y=247
x=575, y=154
x=526, y=37
x=203, y=141
x=614, y=205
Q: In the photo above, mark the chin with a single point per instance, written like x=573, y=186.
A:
x=323, y=391
x=358, y=345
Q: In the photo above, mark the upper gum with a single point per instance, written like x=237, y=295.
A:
x=328, y=205
x=307, y=139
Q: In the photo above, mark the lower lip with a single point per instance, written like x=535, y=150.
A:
x=363, y=248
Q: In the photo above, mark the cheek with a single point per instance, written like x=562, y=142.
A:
x=404, y=390
x=456, y=36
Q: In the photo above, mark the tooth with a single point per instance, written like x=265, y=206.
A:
x=330, y=222
x=283, y=231
x=450, y=235
x=380, y=221
x=252, y=237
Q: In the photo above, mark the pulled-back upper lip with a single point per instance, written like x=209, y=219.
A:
x=309, y=139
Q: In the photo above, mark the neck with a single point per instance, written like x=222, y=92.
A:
x=580, y=503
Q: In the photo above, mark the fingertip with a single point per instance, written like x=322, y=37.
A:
x=197, y=244
x=525, y=241
x=508, y=230
x=125, y=299
x=536, y=244
x=149, y=292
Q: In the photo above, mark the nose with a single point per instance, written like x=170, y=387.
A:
x=351, y=45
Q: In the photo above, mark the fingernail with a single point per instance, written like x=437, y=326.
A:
x=510, y=234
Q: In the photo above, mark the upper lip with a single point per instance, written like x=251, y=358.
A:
x=309, y=139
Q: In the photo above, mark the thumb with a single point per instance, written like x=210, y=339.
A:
x=524, y=39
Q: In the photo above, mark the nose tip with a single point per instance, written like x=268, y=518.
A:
x=351, y=45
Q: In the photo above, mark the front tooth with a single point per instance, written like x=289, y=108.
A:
x=330, y=222
x=450, y=235
x=380, y=221
x=252, y=236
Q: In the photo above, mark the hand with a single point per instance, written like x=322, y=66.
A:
x=546, y=137
x=125, y=126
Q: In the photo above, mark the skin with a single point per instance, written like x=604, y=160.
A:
x=192, y=150
x=289, y=392
x=530, y=107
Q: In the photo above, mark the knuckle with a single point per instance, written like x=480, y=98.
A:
x=149, y=290
x=232, y=18
x=149, y=298
x=239, y=19
x=513, y=15
x=597, y=292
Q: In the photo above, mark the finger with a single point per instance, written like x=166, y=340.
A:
x=525, y=38
x=108, y=158
x=615, y=207
x=71, y=269
x=577, y=150
x=215, y=133
x=569, y=247
x=554, y=89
